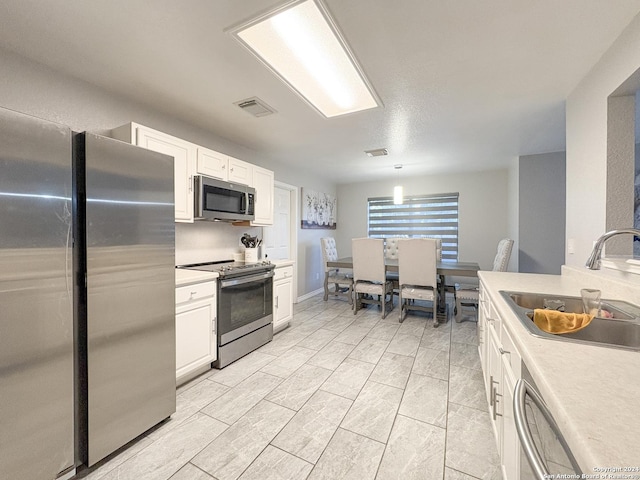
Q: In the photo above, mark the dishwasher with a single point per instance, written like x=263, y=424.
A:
x=541, y=441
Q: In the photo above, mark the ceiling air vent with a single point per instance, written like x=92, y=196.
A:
x=378, y=152
x=255, y=107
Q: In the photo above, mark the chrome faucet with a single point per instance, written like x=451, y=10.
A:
x=593, y=262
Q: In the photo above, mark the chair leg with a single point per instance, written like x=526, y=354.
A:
x=356, y=303
x=401, y=305
x=350, y=291
x=435, y=311
x=458, y=311
x=326, y=286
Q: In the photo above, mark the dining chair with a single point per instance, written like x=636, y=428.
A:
x=369, y=279
x=417, y=269
x=342, y=281
x=467, y=296
x=391, y=252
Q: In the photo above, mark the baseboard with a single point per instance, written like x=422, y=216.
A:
x=306, y=296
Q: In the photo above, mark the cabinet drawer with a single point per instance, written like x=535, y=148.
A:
x=510, y=354
x=196, y=291
x=283, y=272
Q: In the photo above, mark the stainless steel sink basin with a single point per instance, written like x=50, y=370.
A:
x=621, y=331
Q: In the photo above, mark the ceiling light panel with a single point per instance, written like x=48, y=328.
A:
x=302, y=45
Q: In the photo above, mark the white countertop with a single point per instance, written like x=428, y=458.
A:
x=593, y=392
x=186, y=277
x=282, y=263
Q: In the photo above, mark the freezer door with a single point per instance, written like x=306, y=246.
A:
x=130, y=265
x=36, y=319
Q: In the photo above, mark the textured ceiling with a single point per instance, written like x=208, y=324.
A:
x=466, y=85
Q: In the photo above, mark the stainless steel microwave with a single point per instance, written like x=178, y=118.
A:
x=225, y=201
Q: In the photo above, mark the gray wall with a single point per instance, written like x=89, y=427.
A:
x=31, y=88
x=541, y=213
x=483, y=216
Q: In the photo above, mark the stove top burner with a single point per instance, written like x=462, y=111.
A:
x=229, y=267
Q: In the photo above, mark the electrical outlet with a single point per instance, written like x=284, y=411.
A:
x=571, y=246
x=317, y=276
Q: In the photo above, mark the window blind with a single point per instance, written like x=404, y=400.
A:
x=420, y=216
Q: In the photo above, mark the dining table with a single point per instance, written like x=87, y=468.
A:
x=444, y=269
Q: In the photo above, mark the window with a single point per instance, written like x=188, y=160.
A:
x=420, y=216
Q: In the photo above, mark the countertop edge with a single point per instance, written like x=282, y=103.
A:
x=283, y=263
x=187, y=277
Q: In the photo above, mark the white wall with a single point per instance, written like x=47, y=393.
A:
x=587, y=145
x=483, y=217
x=37, y=90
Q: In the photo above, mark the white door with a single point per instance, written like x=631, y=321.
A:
x=277, y=238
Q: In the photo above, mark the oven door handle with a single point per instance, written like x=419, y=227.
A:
x=241, y=280
x=540, y=470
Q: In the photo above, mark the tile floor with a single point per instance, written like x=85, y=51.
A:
x=334, y=396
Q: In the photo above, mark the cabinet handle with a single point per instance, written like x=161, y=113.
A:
x=502, y=351
x=190, y=183
x=223, y=167
x=213, y=324
x=277, y=297
x=495, y=404
x=193, y=293
x=491, y=391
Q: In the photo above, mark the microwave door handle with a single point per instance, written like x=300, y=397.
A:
x=245, y=203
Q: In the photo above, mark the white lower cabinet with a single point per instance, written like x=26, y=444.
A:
x=282, y=297
x=195, y=329
x=501, y=368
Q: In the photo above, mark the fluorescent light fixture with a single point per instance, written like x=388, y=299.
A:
x=398, y=197
x=301, y=44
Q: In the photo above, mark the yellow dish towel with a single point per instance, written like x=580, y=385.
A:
x=552, y=321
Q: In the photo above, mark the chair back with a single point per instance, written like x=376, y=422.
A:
x=438, y=249
x=368, y=259
x=391, y=247
x=329, y=251
x=501, y=261
x=417, y=262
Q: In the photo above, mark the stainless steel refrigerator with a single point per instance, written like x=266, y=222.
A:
x=126, y=260
x=36, y=301
x=87, y=312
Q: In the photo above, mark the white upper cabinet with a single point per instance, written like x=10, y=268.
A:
x=191, y=159
x=263, y=182
x=184, y=154
x=240, y=171
x=213, y=164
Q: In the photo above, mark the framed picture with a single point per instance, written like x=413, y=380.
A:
x=319, y=210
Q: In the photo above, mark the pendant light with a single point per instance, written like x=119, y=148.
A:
x=398, y=195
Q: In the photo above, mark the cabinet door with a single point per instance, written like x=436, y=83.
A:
x=195, y=336
x=282, y=302
x=184, y=154
x=496, y=401
x=240, y=172
x=263, y=183
x=212, y=164
x=510, y=441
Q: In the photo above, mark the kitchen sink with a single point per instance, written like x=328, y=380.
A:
x=620, y=331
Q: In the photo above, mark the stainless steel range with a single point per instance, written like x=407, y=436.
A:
x=245, y=307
